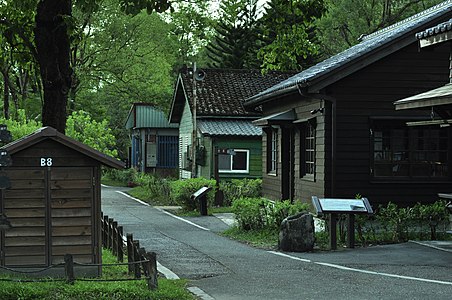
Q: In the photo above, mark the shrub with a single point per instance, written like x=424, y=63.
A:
x=127, y=177
x=182, y=190
x=240, y=188
x=258, y=213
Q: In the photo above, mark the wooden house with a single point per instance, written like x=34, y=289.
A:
x=221, y=123
x=53, y=203
x=154, y=141
x=332, y=130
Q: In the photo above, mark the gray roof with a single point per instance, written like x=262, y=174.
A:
x=229, y=127
x=146, y=115
x=335, y=67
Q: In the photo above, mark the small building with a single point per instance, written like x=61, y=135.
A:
x=332, y=131
x=154, y=141
x=221, y=123
x=53, y=203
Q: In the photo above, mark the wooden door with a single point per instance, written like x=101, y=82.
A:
x=51, y=212
x=25, y=206
x=72, y=213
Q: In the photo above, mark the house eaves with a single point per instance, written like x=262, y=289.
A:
x=237, y=128
x=372, y=48
x=434, y=35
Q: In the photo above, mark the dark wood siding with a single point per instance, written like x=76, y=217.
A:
x=371, y=93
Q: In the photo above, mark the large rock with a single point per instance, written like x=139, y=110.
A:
x=297, y=233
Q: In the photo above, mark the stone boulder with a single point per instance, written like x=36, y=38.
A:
x=297, y=233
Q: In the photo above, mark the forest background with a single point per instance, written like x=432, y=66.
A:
x=126, y=51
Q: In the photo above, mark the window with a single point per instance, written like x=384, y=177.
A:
x=167, y=155
x=237, y=161
x=409, y=152
x=307, y=150
x=272, y=150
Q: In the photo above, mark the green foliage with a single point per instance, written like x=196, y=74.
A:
x=81, y=127
x=240, y=188
x=289, y=34
x=124, y=177
x=153, y=189
x=259, y=213
x=235, y=43
x=262, y=238
x=181, y=191
x=346, y=20
x=20, y=127
x=394, y=224
x=119, y=290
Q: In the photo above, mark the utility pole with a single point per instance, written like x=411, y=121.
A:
x=198, y=75
x=194, y=135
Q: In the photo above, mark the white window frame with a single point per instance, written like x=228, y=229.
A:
x=232, y=160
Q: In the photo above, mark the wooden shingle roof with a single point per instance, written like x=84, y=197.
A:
x=222, y=92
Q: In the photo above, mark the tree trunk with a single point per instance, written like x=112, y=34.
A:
x=53, y=46
x=5, y=97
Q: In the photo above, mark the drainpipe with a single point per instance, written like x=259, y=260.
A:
x=331, y=100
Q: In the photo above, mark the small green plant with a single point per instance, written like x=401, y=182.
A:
x=258, y=213
x=182, y=190
x=240, y=188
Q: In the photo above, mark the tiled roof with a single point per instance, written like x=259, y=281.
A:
x=223, y=91
x=229, y=127
x=370, y=44
x=440, y=28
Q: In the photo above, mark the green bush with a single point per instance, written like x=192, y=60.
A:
x=127, y=177
x=240, y=188
x=258, y=213
x=182, y=190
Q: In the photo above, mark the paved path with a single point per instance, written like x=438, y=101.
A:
x=226, y=269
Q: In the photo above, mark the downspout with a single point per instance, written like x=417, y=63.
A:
x=331, y=100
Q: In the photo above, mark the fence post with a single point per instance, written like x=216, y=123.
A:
x=130, y=255
x=136, y=257
x=69, y=268
x=120, y=245
x=114, y=240
x=110, y=232
x=105, y=232
x=151, y=267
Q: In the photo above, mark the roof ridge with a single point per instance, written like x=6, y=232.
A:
x=423, y=13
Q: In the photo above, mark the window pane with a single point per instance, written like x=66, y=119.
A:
x=224, y=162
x=239, y=161
x=403, y=151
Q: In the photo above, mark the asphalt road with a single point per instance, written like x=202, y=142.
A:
x=226, y=269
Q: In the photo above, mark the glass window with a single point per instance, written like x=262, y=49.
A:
x=272, y=150
x=409, y=152
x=307, y=150
x=237, y=161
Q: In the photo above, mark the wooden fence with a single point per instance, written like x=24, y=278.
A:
x=139, y=261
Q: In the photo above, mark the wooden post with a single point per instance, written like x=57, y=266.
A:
x=114, y=240
x=110, y=232
x=351, y=231
x=142, y=255
x=69, y=268
x=333, y=231
x=152, y=270
x=105, y=233
x=120, y=245
x=130, y=255
x=136, y=257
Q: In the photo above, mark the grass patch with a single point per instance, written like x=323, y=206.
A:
x=113, y=182
x=145, y=195
x=264, y=238
x=196, y=213
x=168, y=289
